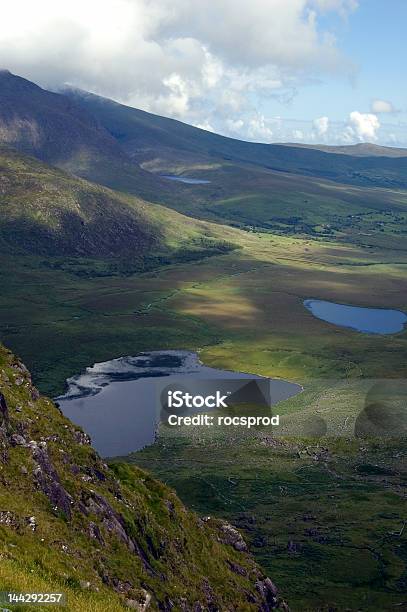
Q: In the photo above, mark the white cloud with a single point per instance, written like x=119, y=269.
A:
x=194, y=60
x=363, y=125
x=321, y=126
x=343, y=7
x=205, y=125
x=259, y=129
x=298, y=135
x=382, y=106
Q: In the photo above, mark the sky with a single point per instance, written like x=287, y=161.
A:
x=312, y=71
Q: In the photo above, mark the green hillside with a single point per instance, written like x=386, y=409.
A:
x=355, y=194
x=110, y=538
x=143, y=135
x=54, y=129
x=45, y=211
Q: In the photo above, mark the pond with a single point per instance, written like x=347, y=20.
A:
x=115, y=402
x=361, y=319
x=185, y=179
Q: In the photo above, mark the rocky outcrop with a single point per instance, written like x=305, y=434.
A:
x=230, y=535
x=3, y=412
x=47, y=480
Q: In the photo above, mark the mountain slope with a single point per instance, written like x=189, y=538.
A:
x=144, y=136
x=362, y=149
x=110, y=538
x=45, y=211
x=54, y=129
x=48, y=125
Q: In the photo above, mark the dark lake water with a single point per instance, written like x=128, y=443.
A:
x=367, y=320
x=185, y=179
x=116, y=401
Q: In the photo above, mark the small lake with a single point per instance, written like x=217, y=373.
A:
x=185, y=179
x=115, y=402
x=367, y=320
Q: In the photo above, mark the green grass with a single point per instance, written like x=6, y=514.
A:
x=243, y=310
x=145, y=537
x=326, y=531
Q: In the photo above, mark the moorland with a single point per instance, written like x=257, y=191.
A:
x=97, y=265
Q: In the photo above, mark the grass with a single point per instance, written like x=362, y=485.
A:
x=120, y=532
x=243, y=311
x=330, y=534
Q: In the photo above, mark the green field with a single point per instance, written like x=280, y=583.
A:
x=322, y=516
x=88, y=274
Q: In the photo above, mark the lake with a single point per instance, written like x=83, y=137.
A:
x=115, y=402
x=184, y=179
x=361, y=319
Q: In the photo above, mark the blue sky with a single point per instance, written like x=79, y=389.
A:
x=328, y=71
x=374, y=38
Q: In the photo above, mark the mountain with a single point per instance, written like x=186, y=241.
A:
x=47, y=125
x=47, y=212
x=352, y=194
x=54, y=129
x=110, y=537
x=145, y=136
x=362, y=149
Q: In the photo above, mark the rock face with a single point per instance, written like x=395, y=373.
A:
x=3, y=411
x=230, y=535
x=47, y=480
x=112, y=531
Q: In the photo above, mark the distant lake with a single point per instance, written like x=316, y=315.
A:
x=184, y=179
x=115, y=402
x=367, y=320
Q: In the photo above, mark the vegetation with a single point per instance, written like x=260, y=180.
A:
x=48, y=212
x=325, y=516
x=88, y=274
x=108, y=538
x=145, y=136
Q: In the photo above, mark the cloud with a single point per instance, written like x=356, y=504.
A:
x=340, y=6
x=298, y=135
x=193, y=60
x=382, y=106
x=321, y=126
x=363, y=126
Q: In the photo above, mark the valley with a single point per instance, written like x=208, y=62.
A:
x=102, y=257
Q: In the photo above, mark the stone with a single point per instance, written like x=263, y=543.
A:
x=230, y=535
x=4, y=416
x=17, y=440
x=141, y=604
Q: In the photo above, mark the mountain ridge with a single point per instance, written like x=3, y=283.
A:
x=142, y=133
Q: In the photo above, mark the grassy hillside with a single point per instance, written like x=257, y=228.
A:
x=109, y=538
x=145, y=136
x=290, y=204
x=54, y=129
x=325, y=514
x=277, y=188
x=45, y=211
x=340, y=508
x=362, y=149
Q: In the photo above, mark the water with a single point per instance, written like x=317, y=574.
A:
x=116, y=401
x=367, y=320
x=184, y=179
